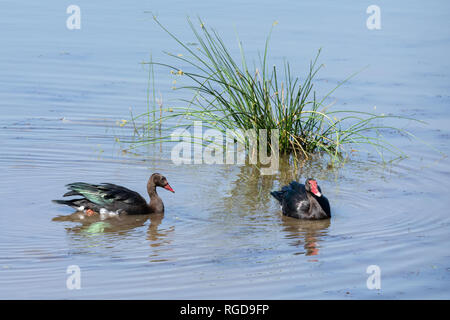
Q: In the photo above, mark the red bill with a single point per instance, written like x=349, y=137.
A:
x=168, y=187
x=314, y=188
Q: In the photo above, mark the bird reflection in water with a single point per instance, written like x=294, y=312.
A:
x=119, y=227
x=305, y=233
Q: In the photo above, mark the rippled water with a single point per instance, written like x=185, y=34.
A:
x=63, y=92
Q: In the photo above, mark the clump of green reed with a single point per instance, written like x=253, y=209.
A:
x=228, y=94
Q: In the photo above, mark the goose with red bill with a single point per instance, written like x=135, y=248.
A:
x=114, y=198
x=303, y=201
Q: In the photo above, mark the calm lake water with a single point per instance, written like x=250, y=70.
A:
x=62, y=93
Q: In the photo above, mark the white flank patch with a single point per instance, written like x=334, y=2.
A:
x=104, y=213
x=81, y=208
x=299, y=205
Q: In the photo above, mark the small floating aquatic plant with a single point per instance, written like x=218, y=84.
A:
x=231, y=95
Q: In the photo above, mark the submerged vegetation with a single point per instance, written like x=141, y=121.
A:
x=229, y=94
